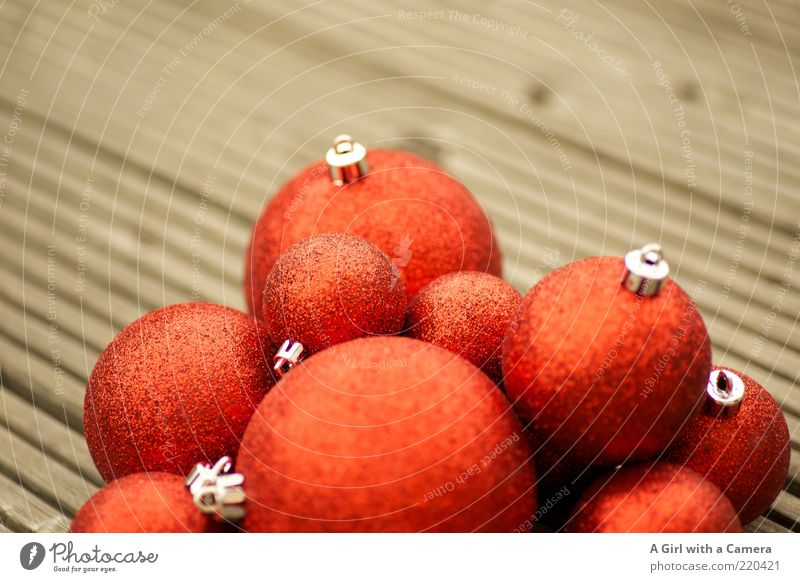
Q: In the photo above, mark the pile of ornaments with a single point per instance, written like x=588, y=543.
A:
x=389, y=380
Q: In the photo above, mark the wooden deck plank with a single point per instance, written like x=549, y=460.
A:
x=765, y=525
x=793, y=479
x=603, y=128
x=159, y=224
x=83, y=326
x=36, y=380
x=685, y=51
x=48, y=433
x=781, y=322
x=711, y=20
x=21, y=510
x=745, y=265
x=251, y=117
x=780, y=325
x=201, y=48
x=46, y=477
x=786, y=511
x=769, y=355
x=42, y=339
x=126, y=271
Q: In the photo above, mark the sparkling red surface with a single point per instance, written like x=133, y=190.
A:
x=426, y=221
x=362, y=436
x=467, y=313
x=654, y=498
x=174, y=388
x=605, y=375
x=746, y=455
x=142, y=503
x=332, y=288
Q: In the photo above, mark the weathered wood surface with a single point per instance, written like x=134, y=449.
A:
x=564, y=151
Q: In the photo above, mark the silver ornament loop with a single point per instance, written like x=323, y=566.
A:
x=287, y=357
x=217, y=491
x=346, y=160
x=724, y=393
x=645, y=270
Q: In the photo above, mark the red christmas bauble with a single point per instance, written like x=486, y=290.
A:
x=142, y=503
x=425, y=220
x=386, y=434
x=744, y=448
x=332, y=288
x=654, y=498
x=174, y=388
x=607, y=375
x=468, y=313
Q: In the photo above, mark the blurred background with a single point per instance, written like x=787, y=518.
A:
x=140, y=142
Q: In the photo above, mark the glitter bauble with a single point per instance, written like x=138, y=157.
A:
x=426, y=221
x=142, y=503
x=467, y=313
x=743, y=448
x=606, y=375
x=386, y=434
x=174, y=388
x=654, y=498
x=333, y=288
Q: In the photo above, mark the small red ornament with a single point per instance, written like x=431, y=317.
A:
x=174, y=388
x=609, y=359
x=426, y=221
x=740, y=442
x=468, y=313
x=654, y=498
x=142, y=503
x=333, y=288
x=164, y=502
x=386, y=434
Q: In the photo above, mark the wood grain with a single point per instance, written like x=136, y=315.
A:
x=563, y=152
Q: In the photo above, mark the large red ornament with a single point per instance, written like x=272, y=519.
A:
x=654, y=498
x=386, y=434
x=174, y=388
x=467, y=313
x=426, y=221
x=332, y=288
x=609, y=362
x=740, y=442
x=142, y=503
